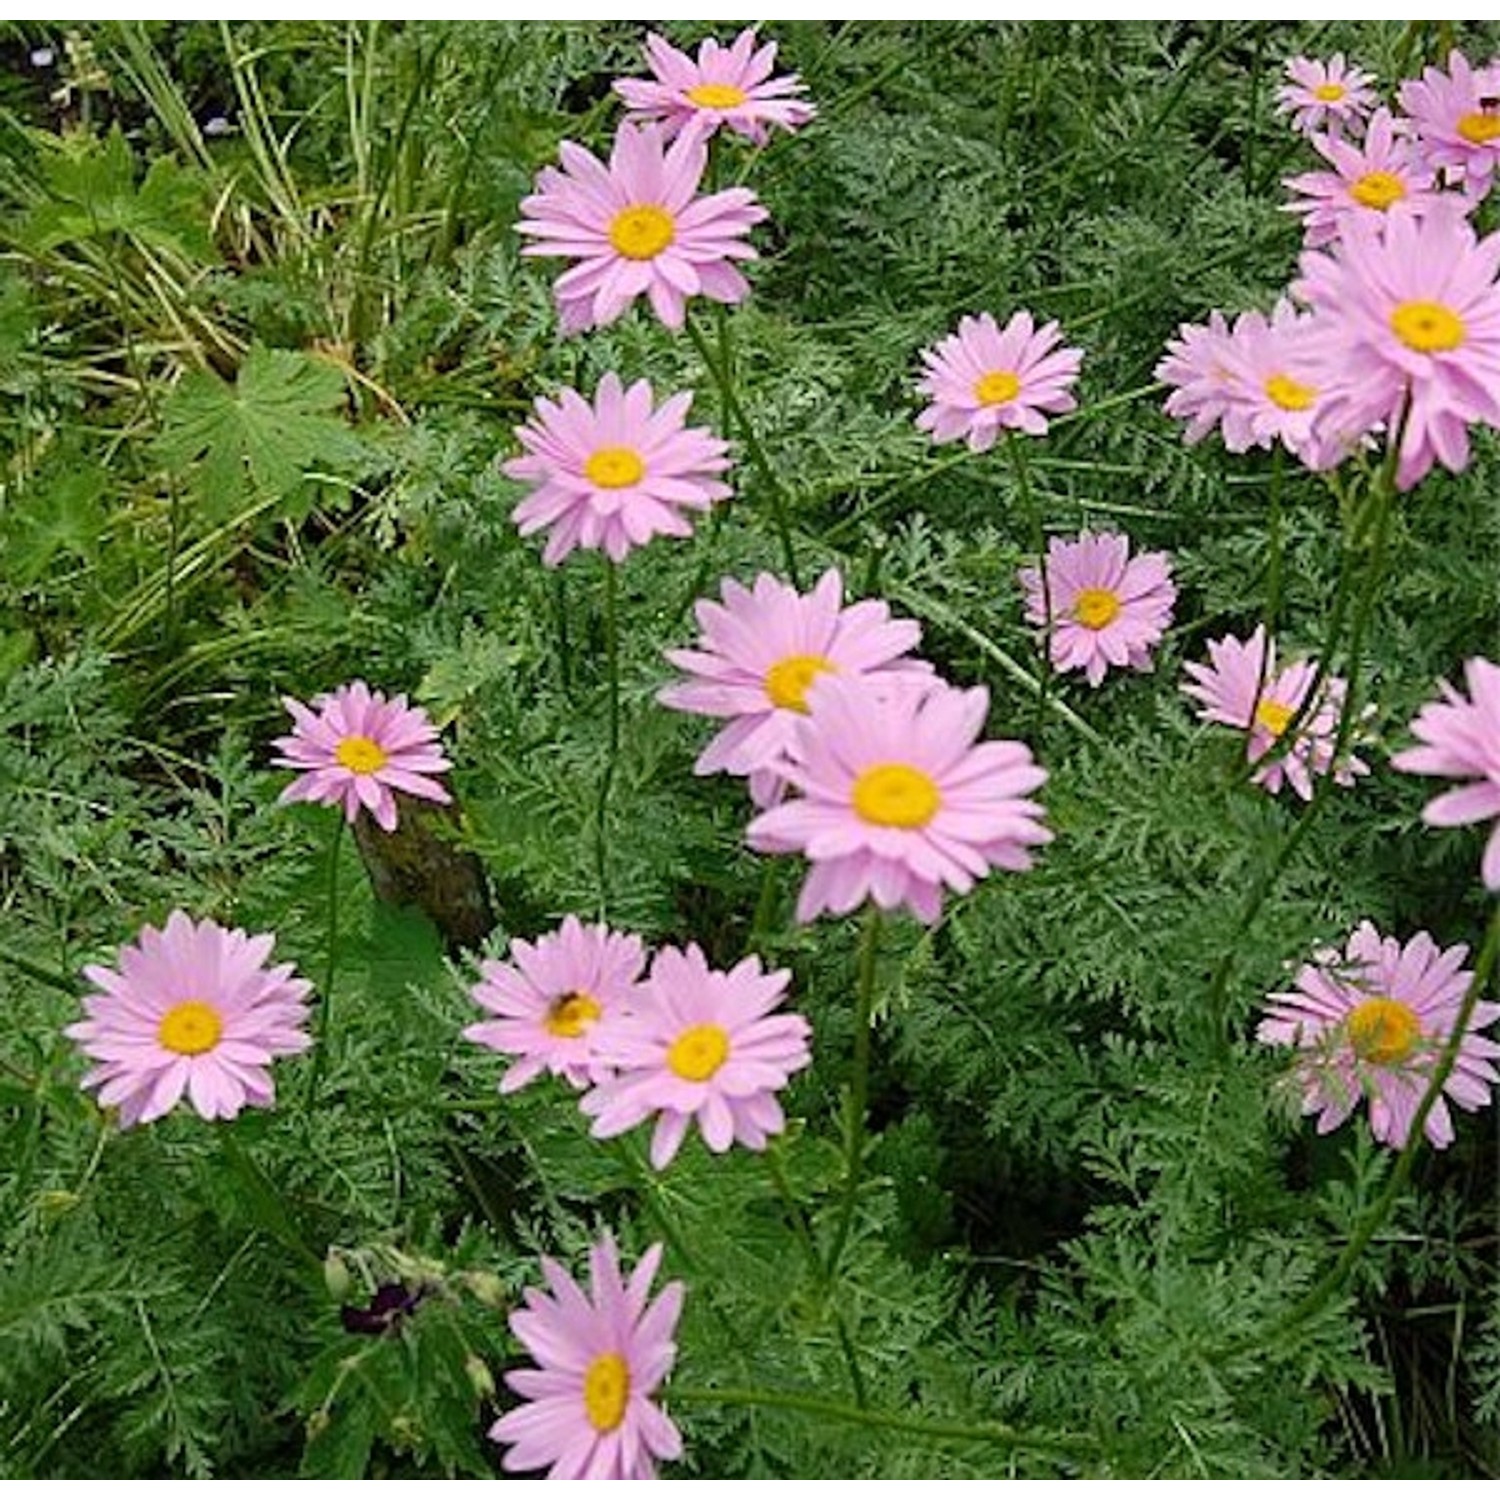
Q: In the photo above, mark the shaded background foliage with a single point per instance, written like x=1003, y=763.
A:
x=254, y=381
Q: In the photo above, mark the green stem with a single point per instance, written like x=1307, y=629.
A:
x=859, y=1088
x=606, y=779
x=724, y=379
x=1013, y=449
x=330, y=969
x=1380, y=1210
x=1061, y=1445
x=777, y=1173
x=765, y=905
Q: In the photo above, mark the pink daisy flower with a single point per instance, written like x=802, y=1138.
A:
x=1242, y=688
x=354, y=747
x=617, y=473
x=1275, y=390
x=730, y=86
x=1108, y=608
x=637, y=226
x=1374, y=1022
x=1325, y=95
x=551, y=998
x=1456, y=116
x=760, y=651
x=983, y=379
x=1461, y=737
x=702, y=1045
x=192, y=1010
x=1415, y=308
x=1197, y=365
x=898, y=801
x=1365, y=182
x=601, y=1353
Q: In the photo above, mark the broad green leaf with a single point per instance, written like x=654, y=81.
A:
x=259, y=436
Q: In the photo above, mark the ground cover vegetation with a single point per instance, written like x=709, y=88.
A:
x=920, y=912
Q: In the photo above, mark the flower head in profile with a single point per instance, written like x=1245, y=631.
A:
x=1242, y=688
x=1198, y=367
x=1461, y=738
x=1456, y=116
x=730, y=86
x=897, y=800
x=354, y=747
x=985, y=379
x=1413, y=309
x=1107, y=609
x=1325, y=95
x=760, y=652
x=600, y=1354
x=638, y=226
x=1372, y=1023
x=551, y=997
x=192, y=1009
x=1365, y=182
x=615, y=473
x=704, y=1046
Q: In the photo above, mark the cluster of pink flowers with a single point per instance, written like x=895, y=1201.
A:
x=891, y=797
x=685, y=1043
x=1397, y=322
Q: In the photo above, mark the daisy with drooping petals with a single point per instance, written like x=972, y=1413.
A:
x=702, y=1045
x=1325, y=96
x=1415, y=309
x=1457, y=119
x=601, y=1353
x=985, y=379
x=1242, y=688
x=729, y=86
x=1108, y=608
x=617, y=473
x=897, y=800
x=760, y=651
x=354, y=747
x=1374, y=1022
x=1196, y=365
x=637, y=226
x=1365, y=182
x=192, y=1010
x=1461, y=738
x=552, y=996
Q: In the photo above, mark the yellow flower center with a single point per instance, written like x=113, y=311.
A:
x=1289, y=394
x=572, y=1015
x=1479, y=128
x=360, y=755
x=699, y=1052
x=642, y=231
x=192, y=1027
x=996, y=388
x=606, y=1391
x=896, y=796
x=716, y=96
x=614, y=468
x=1096, y=608
x=1427, y=327
x=788, y=681
x=1274, y=716
x=1329, y=93
x=1384, y=1031
x=1378, y=190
